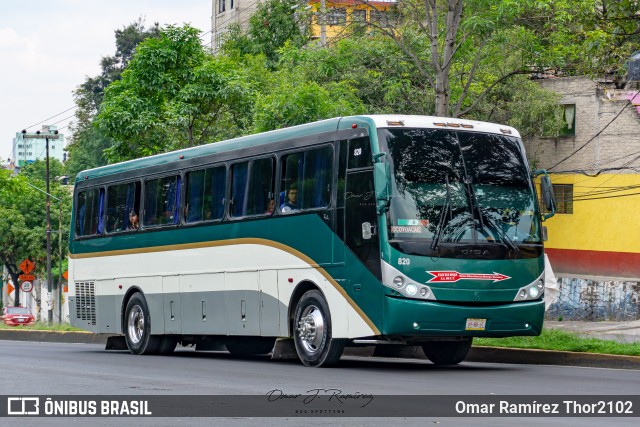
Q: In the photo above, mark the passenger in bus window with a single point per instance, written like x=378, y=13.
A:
x=270, y=206
x=292, y=200
x=134, y=223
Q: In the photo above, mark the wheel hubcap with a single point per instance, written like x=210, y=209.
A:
x=311, y=329
x=135, y=324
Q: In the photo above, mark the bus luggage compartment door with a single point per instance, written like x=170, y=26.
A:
x=172, y=312
x=243, y=303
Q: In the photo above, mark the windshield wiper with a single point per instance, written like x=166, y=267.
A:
x=503, y=236
x=443, y=214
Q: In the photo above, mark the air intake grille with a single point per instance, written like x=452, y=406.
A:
x=86, y=301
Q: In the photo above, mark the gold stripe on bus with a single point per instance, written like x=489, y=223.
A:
x=243, y=241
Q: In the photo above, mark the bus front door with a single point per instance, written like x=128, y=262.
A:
x=361, y=220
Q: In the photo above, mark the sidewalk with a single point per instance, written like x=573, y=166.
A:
x=624, y=332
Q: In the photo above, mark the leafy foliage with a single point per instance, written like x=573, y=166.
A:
x=86, y=149
x=172, y=95
x=274, y=24
x=23, y=228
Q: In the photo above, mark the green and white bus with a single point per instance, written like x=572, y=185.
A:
x=364, y=230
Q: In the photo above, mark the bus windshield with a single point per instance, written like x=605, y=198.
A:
x=459, y=187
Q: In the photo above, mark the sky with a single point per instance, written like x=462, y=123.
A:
x=49, y=47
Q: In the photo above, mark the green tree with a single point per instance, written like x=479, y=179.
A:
x=37, y=170
x=172, y=95
x=465, y=50
x=23, y=227
x=295, y=102
x=275, y=23
x=86, y=149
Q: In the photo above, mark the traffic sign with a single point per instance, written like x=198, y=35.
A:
x=10, y=288
x=27, y=277
x=27, y=266
x=66, y=275
x=26, y=286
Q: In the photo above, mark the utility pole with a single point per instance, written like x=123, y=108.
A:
x=47, y=136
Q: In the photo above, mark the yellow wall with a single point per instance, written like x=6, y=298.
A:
x=607, y=224
x=343, y=30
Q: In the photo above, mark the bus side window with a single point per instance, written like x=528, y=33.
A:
x=306, y=180
x=205, y=194
x=122, y=200
x=89, y=212
x=252, y=187
x=161, y=201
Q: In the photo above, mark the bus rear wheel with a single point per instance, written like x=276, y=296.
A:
x=312, y=332
x=137, y=327
x=250, y=345
x=447, y=352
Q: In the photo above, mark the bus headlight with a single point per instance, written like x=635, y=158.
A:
x=411, y=289
x=398, y=281
x=532, y=291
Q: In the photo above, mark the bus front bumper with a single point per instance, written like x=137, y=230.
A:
x=413, y=318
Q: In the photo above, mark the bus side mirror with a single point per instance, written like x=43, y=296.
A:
x=547, y=194
x=382, y=178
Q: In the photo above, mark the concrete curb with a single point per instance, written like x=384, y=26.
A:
x=52, y=336
x=477, y=354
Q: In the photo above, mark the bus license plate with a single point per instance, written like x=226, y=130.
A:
x=476, y=324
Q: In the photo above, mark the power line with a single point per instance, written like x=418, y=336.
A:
x=592, y=138
x=607, y=197
x=62, y=120
x=59, y=114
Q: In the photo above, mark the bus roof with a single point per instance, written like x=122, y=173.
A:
x=378, y=121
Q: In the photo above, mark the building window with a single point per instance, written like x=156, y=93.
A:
x=564, y=198
x=20, y=146
x=568, y=120
x=382, y=18
x=359, y=15
x=336, y=16
x=231, y=4
x=221, y=6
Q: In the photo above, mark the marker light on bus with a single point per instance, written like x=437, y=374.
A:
x=398, y=281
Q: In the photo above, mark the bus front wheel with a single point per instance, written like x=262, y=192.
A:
x=312, y=332
x=137, y=326
x=447, y=352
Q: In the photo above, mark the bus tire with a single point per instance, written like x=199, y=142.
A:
x=444, y=353
x=250, y=346
x=137, y=326
x=312, y=332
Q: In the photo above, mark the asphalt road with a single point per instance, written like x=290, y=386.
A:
x=61, y=369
